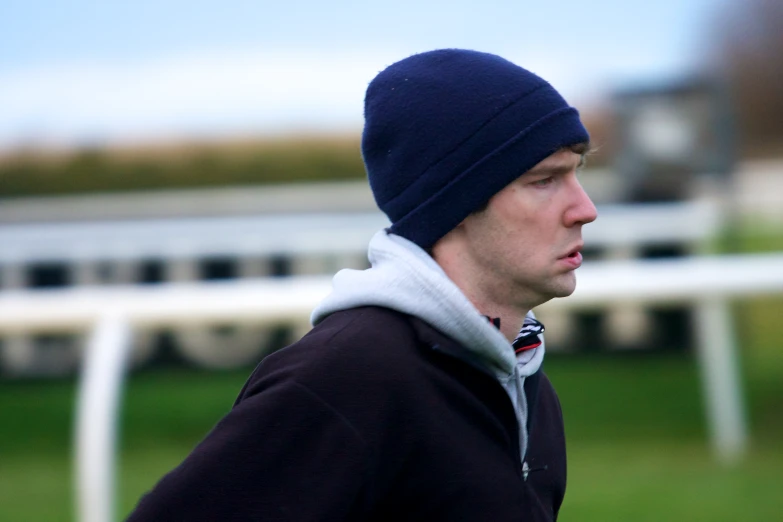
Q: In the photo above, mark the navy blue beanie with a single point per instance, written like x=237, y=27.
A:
x=446, y=130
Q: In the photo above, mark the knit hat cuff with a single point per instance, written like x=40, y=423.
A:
x=446, y=209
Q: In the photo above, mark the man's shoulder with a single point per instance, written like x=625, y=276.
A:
x=362, y=324
x=365, y=332
x=361, y=345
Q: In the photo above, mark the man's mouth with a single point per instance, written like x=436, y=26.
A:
x=574, y=253
x=574, y=257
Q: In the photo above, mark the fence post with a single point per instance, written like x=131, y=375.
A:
x=720, y=379
x=97, y=417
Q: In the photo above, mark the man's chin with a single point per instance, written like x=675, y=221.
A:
x=564, y=286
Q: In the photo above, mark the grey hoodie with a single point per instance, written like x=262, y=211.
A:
x=405, y=278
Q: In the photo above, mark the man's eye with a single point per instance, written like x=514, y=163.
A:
x=542, y=182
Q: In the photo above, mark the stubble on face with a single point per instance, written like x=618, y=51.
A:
x=515, y=245
x=513, y=269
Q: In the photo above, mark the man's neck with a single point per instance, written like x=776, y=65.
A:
x=511, y=319
x=490, y=297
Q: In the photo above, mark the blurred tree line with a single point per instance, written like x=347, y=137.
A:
x=29, y=173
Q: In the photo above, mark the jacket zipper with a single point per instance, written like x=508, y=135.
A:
x=515, y=436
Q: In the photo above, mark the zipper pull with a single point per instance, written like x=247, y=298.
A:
x=527, y=470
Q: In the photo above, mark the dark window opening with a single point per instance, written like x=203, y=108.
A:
x=217, y=269
x=591, y=253
x=48, y=275
x=663, y=251
x=279, y=266
x=151, y=271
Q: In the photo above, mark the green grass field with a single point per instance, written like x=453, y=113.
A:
x=636, y=434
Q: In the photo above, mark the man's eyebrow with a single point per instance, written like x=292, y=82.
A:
x=583, y=149
x=555, y=169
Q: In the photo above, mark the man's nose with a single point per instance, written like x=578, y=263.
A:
x=582, y=210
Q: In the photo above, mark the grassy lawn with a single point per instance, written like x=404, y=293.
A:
x=637, y=441
x=637, y=445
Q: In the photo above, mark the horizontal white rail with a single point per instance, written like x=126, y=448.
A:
x=272, y=300
x=676, y=279
x=308, y=234
x=237, y=301
x=707, y=282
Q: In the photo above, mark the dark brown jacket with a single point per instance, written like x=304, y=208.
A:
x=372, y=416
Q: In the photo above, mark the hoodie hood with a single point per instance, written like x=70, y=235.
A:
x=405, y=278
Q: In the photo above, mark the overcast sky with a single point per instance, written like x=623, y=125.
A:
x=75, y=72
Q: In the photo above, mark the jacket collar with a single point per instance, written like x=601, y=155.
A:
x=440, y=342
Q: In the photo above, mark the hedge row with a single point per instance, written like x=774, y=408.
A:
x=103, y=170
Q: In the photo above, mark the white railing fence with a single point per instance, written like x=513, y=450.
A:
x=112, y=313
x=86, y=254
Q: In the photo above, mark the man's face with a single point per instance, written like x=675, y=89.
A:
x=525, y=246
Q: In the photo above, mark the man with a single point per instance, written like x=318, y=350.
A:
x=416, y=396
